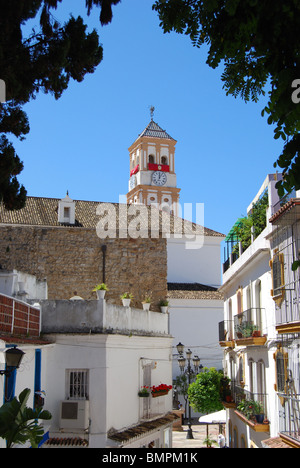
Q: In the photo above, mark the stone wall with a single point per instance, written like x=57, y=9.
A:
x=71, y=260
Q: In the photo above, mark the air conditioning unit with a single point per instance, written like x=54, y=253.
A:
x=74, y=414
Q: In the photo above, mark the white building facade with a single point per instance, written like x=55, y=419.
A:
x=89, y=365
x=250, y=338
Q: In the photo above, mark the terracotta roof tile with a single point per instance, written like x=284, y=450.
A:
x=140, y=429
x=67, y=442
x=193, y=291
x=275, y=442
x=40, y=211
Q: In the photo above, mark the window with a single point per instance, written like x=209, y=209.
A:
x=230, y=321
x=77, y=384
x=164, y=160
x=248, y=296
x=146, y=383
x=66, y=212
x=243, y=441
x=241, y=378
x=251, y=375
x=239, y=297
x=258, y=294
x=261, y=378
x=281, y=362
x=277, y=269
x=151, y=159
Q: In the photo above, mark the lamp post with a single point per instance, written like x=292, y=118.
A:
x=13, y=358
x=189, y=372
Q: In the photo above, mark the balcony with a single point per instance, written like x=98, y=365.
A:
x=18, y=318
x=226, y=337
x=288, y=315
x=289, y=419
x=251, y=408
x=248, y=328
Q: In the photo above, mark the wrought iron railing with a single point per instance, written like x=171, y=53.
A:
x=248, y=323
x=289, y=416
x=226, y=330
x=240, y=395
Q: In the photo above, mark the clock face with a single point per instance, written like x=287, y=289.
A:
x=132, y=182
x=159, y=178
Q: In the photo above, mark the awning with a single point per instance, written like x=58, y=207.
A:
x=214, y=418
x=232, y=235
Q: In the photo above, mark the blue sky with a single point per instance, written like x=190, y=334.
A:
x=80, y=142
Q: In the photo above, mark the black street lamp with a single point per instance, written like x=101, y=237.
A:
x=13, y=358
x=190, y=372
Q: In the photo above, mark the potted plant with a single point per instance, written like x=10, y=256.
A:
x=209, y=441
x=164, y=306
x=147, y=301
x=247, y=408
x=225, y=390
x=144, y=392
x=101, y=290
x=126, y=298
x=258, y=410
x=160, y=390
x=256, y=332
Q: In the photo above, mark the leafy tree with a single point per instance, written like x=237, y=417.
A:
x=19, y=424
x=180, y=383
x=258, y=42
x=253, y=224
x=44, y=60
x=204, y=393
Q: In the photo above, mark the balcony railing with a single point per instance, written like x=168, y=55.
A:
x=226, y=331
x=248, y=324
x=289, y=416
x=251, y=407
x=288, y=314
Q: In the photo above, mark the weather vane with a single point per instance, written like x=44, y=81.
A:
x=152, y=109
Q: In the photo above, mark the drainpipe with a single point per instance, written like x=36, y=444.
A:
x=103, y=248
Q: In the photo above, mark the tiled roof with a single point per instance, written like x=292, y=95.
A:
x=275, y=442
x=289, y=208
x=155, y=131
x=66, y=442
x=141, y=429
x=40, y=211
x=193, y=291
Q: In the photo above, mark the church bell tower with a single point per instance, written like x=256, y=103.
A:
x=152, y=169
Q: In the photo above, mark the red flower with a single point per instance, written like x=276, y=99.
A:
x=160, y=388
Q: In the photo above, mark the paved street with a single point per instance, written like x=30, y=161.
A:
x=199, y=433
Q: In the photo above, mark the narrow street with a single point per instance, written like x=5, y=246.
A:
x=199, y=433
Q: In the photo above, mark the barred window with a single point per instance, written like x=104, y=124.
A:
x=277, y=270
x=281, y=363
x=77, y=384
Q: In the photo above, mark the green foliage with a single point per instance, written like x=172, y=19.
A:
x=250, y=408
x=255, y=221
x=45, y=60
x=255, y=40
x=204, y=393
x=209, y=441
x=12, y=194
x=182, y=385
x=19, y=424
